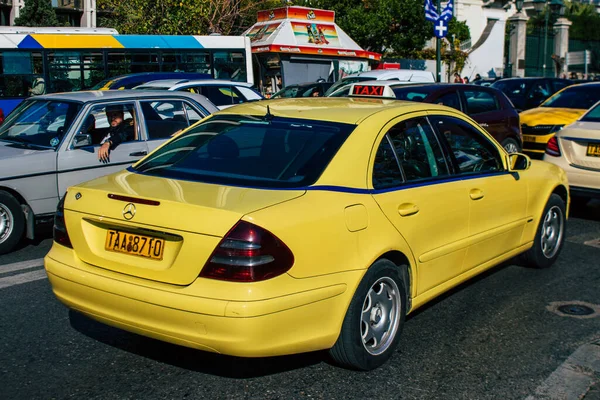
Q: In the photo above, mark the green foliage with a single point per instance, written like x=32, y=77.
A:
x=585, y=19
x=396, y=28
x=37, y=13
x=181, y=17
x=459, y=29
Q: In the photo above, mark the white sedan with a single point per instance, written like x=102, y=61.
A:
x=222, y=93
x=576, y=149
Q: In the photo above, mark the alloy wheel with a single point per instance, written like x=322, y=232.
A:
x=380, y=316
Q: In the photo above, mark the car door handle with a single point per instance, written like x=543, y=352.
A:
x=476, y=194
x=138, y=153
x=407, y=209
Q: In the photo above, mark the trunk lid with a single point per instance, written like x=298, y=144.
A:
x=187, y=220
x=579, y=141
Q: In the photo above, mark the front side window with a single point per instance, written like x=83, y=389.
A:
x=39, y=123
x=164, y=118
x=250, y=150
x=106, y=121
x=480, y=101
x=472, y=152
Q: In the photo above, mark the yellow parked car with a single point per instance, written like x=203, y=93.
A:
x=538, y=125
x=295, y=225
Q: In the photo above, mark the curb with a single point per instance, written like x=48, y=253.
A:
x=577, y=378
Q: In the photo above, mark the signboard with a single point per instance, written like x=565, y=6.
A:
x=302, y=13
x=440, y=21
x=262, y=32
x=315, y=34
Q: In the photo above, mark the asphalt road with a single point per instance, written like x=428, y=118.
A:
x=492, y=338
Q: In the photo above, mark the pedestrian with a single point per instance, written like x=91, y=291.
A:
x=466, y=79
x=477, y=78
x=457, y=78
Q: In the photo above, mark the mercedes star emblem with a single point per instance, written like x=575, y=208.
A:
x=129, y=211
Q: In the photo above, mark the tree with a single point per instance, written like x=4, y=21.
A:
x=37, y=13
x=181, y=17
x=396, y=28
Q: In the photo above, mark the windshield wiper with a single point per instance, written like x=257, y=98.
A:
x=24, y=142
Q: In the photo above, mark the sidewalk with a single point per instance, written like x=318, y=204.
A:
x=577, y=378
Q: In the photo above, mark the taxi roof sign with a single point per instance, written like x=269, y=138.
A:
x=371, y=90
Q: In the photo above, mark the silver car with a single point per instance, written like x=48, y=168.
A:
x=51, y=142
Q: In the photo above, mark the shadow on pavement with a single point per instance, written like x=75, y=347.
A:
x=589, y=210
x=192, y=359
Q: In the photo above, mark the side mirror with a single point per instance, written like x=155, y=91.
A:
x=518, y=162
x=82, y=140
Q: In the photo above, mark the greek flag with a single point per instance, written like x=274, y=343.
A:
x=431, y=11
x=447, y=13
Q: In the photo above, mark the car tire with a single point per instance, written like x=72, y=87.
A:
x=379, y=302
x=549, y=236
x=511, y=145
x=12, y=222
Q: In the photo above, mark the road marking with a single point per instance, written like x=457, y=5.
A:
x=593, y=243
x=573, y=378
x=21, y=265
x=23, y=278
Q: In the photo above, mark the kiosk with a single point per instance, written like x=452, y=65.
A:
x=298, y=44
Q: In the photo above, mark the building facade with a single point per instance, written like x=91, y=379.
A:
x=77, y=13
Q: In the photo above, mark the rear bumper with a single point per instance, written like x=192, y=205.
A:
x=582, y=182
x=298, y=322
x=536, y=144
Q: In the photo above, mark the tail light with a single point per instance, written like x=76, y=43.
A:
x=552, y=147
x=59, y=232
x=248, y=253
x=1, y=116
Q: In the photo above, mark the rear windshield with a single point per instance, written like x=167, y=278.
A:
x=514, y=88
x=593, y=115
x=412, y=93
x=581, y=97
x=250, y=151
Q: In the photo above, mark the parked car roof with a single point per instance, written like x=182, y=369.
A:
x=174, y=84
x=115, y=95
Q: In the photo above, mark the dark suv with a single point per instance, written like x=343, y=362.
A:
x=526, y=93
x=486, y=105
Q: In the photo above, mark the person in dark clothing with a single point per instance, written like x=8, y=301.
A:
x=120, y=131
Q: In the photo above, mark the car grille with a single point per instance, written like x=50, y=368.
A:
x=537, y=130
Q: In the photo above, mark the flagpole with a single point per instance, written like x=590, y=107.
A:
x=438, y=50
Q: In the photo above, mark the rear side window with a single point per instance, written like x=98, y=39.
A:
x=164, y=118
x=411, y=94
x=222, y=95
x=409, y=152
x=250, y=151
x=480, y=101
x=450, y=100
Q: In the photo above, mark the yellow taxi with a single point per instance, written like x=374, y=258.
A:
x=294, y=225
x=538, y=125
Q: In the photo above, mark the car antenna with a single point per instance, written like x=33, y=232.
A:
x=268, y=116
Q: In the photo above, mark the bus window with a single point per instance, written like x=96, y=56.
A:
x=93, y=69
x=186, y=62
x=230, y=65
x=118, y=63
x=64, y=70
x=144, y=62
x=17, y=72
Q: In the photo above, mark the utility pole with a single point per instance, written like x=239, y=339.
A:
x=438, y=49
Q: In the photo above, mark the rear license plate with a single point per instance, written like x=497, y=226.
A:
x=593, y=150
x=136, y=245
x=527, y=138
